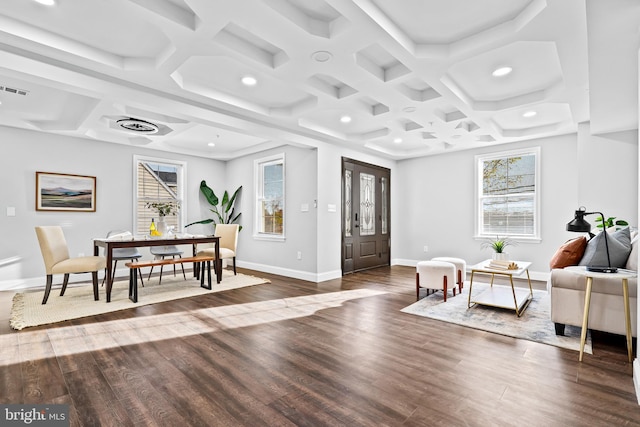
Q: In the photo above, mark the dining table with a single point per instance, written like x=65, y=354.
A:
x=109, y=244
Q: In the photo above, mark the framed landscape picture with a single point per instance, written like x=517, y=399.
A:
x=65, y=192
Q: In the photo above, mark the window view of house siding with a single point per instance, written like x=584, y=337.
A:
x=156, y=183
x=508, y=196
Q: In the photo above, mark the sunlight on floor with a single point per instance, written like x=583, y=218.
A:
x=64, y=341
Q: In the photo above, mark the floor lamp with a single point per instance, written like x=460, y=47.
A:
x=579, y=225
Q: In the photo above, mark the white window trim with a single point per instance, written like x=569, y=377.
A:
x=182, y=177
x=478, y=190
x=257, y=173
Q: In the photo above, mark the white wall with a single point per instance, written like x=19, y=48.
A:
x=25, y=152
x=437, y=204
x=280, y=257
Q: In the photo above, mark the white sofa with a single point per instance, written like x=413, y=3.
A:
x=606, y=311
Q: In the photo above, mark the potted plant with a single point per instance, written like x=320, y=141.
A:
x=163, y=209
x=225, y=213
x=611, y=222
x=498, y=246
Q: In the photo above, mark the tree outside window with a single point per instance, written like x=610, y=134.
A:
x=508, y=194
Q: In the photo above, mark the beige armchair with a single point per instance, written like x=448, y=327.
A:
x=228, y=234
x=55, y=253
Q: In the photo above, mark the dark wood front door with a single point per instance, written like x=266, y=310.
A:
x=365, y=216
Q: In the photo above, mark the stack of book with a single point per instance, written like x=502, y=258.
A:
x=498, y=264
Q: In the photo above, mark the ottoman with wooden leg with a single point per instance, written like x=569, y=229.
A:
x=461, y=268
x=435, y=275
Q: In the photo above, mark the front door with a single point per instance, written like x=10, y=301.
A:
x=365, y=216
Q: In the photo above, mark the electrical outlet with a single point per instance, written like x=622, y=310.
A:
x=80, y=253
x=426, y=248
x=299, y=255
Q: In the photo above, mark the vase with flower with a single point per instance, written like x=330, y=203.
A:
x=164, y=209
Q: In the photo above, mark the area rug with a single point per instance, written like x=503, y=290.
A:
x=27, y=309
x=534, y=325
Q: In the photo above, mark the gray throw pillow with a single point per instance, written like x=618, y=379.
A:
x=619, y=249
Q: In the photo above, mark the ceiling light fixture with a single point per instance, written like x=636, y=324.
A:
x=211, y=144
x=345, y=119
x=321, y=56
x=137, y=125
x=502, y=71
x=249, y=81
x=47, y=2
x=529, y=114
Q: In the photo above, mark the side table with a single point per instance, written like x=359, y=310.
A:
x=624, y=276
x=502, y=296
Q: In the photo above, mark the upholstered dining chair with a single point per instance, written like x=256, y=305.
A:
x=120, y=254
x=164, y=251
x=55, y=253
x=228, y=234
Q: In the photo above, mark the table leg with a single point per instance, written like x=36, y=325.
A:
x=513, y=291
x=585, y=316
x=627, y=317
x=470, y=288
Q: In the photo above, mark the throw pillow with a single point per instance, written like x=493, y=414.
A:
x=569, y=254
x=632, y=261
x=619, y=249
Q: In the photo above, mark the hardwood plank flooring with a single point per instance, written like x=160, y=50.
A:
x=289, y=353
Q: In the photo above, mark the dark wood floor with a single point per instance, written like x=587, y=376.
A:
x=258, y=356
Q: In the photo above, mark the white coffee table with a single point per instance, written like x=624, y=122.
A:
x=511, y=298
x=624, y=276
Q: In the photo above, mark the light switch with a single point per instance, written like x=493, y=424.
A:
x=304, y=207
x=331, y=208
x=11, y=211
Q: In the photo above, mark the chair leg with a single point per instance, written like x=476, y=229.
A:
x=234, y=266
x=149, y=278
x=181, y=265
x=174, y=266
x=444, y=287
x=64, y=284
x=47, y=289
x=94, y=277
x=417, y=286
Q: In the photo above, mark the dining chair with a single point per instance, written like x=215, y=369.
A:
x=228, y=234
x=55, y=253
x=120, y=254
x=164, y=251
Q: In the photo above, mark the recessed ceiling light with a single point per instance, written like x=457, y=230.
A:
x=47, y=2
x=211, y=144
x=409, y=109
x=249, y=81
x=502, y=71
x=345, y=119
x=397, y=140
x=321, y=56
x=529, y=114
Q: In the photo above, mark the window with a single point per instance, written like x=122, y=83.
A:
x=508, y=194
x=157, y=180
x=269, y=178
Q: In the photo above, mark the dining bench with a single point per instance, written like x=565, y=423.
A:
x=203, y=263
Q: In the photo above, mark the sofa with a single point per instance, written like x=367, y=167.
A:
x=567, y=289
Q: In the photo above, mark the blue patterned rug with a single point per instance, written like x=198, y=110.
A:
x=534, y=325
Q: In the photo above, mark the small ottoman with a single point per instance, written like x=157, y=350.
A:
x=435, y=275
x=461, y=268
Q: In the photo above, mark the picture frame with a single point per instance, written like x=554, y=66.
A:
x=61, y=192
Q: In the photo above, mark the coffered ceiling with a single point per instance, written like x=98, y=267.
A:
x=399, y=79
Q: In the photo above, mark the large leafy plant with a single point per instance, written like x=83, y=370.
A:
x=224, y=210
x=611, y=222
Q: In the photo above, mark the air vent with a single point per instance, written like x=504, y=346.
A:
x=138, y=126
x=14, y=90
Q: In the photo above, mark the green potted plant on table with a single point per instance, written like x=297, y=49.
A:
x=498, y=245
x=164, y=209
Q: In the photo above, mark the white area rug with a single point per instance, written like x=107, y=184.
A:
x=27, y=309
x=534, y=325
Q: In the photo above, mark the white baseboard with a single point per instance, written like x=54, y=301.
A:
x=636, y=380
x=296, y=274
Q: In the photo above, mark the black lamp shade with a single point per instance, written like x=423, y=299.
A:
x=578, y=224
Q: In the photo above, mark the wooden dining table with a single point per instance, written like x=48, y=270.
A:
x=109, y=244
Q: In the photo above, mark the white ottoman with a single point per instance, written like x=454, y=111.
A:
x=461, y=268
x=435, y=275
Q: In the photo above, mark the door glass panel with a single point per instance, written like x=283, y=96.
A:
x=347, y=202
x=383, y=189
x=367, y=204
